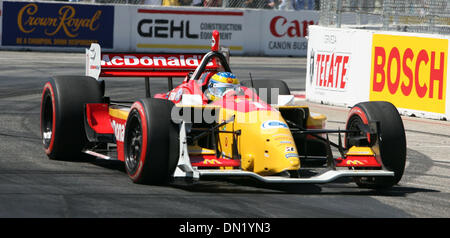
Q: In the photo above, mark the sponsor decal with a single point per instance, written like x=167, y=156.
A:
x=330, y=70
x=151, y=60
x=284, y=137
x=272, y=124
x=176, y=95
x=289, y=149
x=119, y=130
x=354, y=162
x=55, y=24
x=289, y=155
x=410, y=72
x=285, y=142
x=211, y=161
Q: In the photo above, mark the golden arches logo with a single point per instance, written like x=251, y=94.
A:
x=211, y=161
x=28, y=20
x=354, y=162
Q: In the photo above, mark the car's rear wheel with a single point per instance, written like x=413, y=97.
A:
x=151, y=144
x=61, y=117
x=390, y=145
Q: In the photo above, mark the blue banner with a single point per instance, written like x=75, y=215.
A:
x=56, y=24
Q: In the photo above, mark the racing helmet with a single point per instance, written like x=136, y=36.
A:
x=220, y=84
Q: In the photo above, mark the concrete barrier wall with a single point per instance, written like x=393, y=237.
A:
x=144, y=28
x=410, y=70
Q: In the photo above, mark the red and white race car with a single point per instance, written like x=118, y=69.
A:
x=181, y=133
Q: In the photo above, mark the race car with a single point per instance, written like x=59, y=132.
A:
x=254, y=130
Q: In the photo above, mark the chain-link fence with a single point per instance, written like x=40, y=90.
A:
x=427, y=16
x=256, y=4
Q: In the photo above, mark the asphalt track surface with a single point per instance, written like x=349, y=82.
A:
x=31, y=185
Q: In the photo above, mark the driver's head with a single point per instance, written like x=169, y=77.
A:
x=220, y=84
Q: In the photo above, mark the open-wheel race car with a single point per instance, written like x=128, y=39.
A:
x=249, y=131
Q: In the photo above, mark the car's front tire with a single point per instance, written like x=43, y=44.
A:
x=390, y=145
x=151, y=144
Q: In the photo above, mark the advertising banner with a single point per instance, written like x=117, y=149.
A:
x=186, y=30
x=335, y=73
x=57, y=25
x=410, y=72
x=284, y=32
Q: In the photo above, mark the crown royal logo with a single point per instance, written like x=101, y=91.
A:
x=28, y=20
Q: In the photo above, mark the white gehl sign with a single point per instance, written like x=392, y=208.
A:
x=347, y=66
x=185, y=30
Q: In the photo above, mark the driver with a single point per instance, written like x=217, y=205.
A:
x=220, y=84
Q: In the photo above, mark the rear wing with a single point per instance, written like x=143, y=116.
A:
x=141, y=65
x=100, y=64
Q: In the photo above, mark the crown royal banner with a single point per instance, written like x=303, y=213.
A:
x=58, y=25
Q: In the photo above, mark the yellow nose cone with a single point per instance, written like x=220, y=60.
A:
x=266, y=144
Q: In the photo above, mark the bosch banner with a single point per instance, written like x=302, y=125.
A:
x=410, y=72
x=57, y=25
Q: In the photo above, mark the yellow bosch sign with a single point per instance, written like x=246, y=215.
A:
x=410, y=72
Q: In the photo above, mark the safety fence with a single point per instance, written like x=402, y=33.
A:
x=65, y=26
x=424, y=16
x=252, y=4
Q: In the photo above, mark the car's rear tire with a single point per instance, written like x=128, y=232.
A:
x=391, y=144
x=268, y=84
x=61, y=117
x=151, y=146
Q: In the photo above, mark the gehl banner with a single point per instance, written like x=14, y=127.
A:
x=57, y=25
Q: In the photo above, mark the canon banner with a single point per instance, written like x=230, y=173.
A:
x=284, y=33
x=169, y=30
x=57, y=25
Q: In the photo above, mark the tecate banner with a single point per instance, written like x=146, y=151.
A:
x=284, y=33
x=167, y=30
x=57, y=25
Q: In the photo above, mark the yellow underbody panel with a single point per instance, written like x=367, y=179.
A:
x=119, y=113
x=354, y=150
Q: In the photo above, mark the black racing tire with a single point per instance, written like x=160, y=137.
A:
x=62, y=114
x=268, y=84
x=151, y=142
x=391, y=144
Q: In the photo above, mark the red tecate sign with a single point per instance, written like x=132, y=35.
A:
x=331, y=70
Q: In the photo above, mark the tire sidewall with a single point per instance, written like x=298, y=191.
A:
x=48, y=92
x=157, y=161
x=137, y=109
